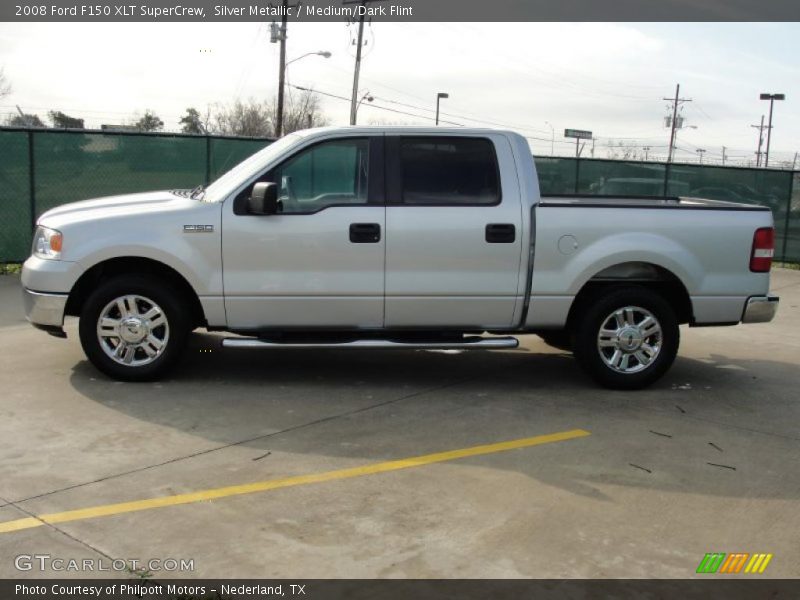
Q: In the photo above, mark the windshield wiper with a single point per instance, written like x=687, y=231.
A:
x=200, y=189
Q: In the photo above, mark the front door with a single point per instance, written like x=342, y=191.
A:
x=319, y=262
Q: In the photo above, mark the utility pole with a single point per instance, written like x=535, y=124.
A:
x=724, y=156
x=357, y=71
x=360, y=43
x=771, y=98
x=760, y=140
x=646, y=151
x=700, y=152
x=677, y=101
x=280, y=35
x=439, y=96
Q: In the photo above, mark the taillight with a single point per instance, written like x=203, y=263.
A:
x=763, y=250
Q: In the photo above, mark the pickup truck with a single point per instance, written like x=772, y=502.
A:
x=377, y=237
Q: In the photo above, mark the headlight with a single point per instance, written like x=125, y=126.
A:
x=47, y=243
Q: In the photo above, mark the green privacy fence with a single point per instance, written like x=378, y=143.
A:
x=40, y=169
x=778, y=190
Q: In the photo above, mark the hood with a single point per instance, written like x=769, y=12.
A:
x=115, y=207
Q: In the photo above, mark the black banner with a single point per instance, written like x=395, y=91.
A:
x=456, y=589
x=400, y=10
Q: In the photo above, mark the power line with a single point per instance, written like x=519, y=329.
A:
x=371, y=105
x=465, y=118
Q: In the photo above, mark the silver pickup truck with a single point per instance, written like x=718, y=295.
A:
x=396, y=238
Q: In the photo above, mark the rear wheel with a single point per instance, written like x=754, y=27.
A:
x=627, y=338
x=133, y=328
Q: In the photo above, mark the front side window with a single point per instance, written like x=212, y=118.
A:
x=326, y=174
x=454, y=171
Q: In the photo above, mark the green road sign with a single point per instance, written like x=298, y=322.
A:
x=578, y=133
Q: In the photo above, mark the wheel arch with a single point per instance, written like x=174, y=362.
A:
x=636, y=273
x=139, y=265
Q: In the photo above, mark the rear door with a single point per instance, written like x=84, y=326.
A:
x=453, y=231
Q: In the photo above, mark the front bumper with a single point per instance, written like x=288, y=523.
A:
x=760, y=309
x=45, y=311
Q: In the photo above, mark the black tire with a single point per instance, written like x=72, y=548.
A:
x=599, y=310
x=167, y=299
x=560, y=339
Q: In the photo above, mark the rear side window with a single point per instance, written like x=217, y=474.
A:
x=449, y=171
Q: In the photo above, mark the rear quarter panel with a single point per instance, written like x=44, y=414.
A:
x=708, y=250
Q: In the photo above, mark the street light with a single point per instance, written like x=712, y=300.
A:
x=367, y=96
x=552, y=137
x=439, y=96
x=771, y=98
x=700, y=152
x=282, y=79
x=322, y=53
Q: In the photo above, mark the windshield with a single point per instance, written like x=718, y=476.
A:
x=248, y=168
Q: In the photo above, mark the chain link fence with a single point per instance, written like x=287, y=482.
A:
x=40, y=169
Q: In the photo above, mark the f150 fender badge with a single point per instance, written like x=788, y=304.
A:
x=198, y=229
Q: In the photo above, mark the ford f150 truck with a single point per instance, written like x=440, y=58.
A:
x=396, y=238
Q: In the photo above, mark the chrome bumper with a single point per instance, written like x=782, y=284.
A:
x=760, y=309
x=45, y=311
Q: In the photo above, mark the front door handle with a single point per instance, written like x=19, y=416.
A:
x=501, y=233
x=365, y=233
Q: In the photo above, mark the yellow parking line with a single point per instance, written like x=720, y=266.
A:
x=274, y=484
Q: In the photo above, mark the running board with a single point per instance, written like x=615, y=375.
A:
x=467, y=343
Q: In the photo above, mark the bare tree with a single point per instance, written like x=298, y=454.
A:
x=623, y=151
x=245, y=118
x=5, y=86
x=257, y=118
x=303, y=111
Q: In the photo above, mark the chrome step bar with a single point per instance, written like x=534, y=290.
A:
x=468, y=343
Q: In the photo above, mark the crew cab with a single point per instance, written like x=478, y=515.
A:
x=396, y=238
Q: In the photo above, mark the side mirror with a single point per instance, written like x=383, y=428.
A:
x=263, y=199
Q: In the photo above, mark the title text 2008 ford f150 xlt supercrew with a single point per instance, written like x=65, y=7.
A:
x=396, y=237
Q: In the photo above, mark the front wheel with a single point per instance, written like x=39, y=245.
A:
x=133, y=328
x=627, y=337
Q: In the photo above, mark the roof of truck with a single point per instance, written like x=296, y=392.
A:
x=403, y=129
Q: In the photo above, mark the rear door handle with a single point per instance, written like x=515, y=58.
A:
x=365, y=233
x=501, y=233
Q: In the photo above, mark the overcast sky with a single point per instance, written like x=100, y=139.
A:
x=608, y=78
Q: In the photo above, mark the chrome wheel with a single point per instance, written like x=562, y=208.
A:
x=133, y=330
x=630, y=339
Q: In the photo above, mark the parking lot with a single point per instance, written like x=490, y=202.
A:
x=642, y=484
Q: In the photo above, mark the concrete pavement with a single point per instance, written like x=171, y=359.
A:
x=704, y=461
